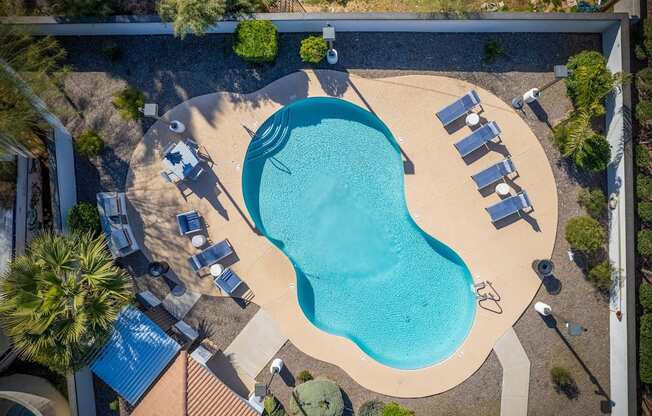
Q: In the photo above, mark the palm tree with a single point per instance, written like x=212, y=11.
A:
x=58, y=302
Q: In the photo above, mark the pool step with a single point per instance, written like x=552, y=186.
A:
x=272, y=139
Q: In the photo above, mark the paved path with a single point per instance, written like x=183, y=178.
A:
x=516, y=375
x=256, y=344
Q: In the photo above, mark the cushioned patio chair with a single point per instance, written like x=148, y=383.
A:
x=459, y=108
x=512, y=205
x=494, y=173
x=228, y=281
x=477, y=139
x=211, y=255
x=189, y=222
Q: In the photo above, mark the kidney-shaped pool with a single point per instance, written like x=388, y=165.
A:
x=323, y=181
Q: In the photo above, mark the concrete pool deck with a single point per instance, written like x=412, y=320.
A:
x=441, y=197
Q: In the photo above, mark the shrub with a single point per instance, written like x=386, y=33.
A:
x=646, y=325
x=589, y=81
x=600, y=275
x=593, y=201
x=394, y=409
x=192, y=16
x=319, y=397
x=645, y=359
x=273, y=407
x=256, y=41
x=371, y=408
x=576, y=139
x=645, y=211
x=112, y=51
x=644, y=241
x=82, y=8
x=585, y=234
x=639, y=52
x=647, y=36
x=645, y=296
x=644, y=187
x=89, y=143
x=643, y=111
x=313, y=49
x=594, y=154
x=492, y=51
x=304, y=376
x=563, y=381
x=644, y=81
x=129, y=101
x=83, y=217
x=643, y=157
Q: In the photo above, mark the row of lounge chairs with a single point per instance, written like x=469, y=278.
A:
x=474, y=141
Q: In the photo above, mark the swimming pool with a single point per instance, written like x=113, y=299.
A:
x=323, y=181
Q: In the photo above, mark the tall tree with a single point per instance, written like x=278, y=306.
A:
x=60, y=300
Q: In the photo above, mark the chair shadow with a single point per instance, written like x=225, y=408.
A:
x=204, y=187
x=518, y=216
x=484, y=150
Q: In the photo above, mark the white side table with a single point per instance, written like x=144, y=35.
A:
x=216, y=269
x=472, y=119
x=198, y=240
x=502, y=189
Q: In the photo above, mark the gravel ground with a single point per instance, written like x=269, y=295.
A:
x=171, y=71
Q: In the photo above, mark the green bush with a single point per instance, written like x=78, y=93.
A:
x=643, y=157
x=89, y=143
x=645, y=359
x=644, y=241
x=593, y=201
x=313, y=49
x=589, y=81
x=192, y=16
x=256, y=41
x=82, y=8
x=594, y=155
x=319, y=397
x=585, y=234
x=639, y=52
x=576, y=139
x=643, y=111
x=645, y=211
x=600, y=275
x=129, y=101
x=273, y=407
x=644, y=187
x=645, y=327
x=563, y=381
x=394, y=409
x=112, y=51
x=647, y=36
x=304, y=376
x=492, y=51
x=83, y=217
x=371, y=408
x=645, y=296
x=644, y=81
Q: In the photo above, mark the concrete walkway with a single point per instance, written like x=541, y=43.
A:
x=256, y=345
x=516, y=375
x=179, y=306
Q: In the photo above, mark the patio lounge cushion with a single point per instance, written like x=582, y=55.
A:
x=189, y=222
x=494, y=173
x=509, y=206
x=477, y=139
x=458, y=108
x=120, y=239
x=211, y=255
x=228, y=281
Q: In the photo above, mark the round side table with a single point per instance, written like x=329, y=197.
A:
x=216, y=269
x=177, y=126
x=472, y=119
x=198, y=241
x=502, y=189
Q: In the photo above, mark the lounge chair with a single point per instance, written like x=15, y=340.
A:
x=506, y=207
x=460, y=107
x=189, y=222
x=494, y=173
x=477, y=139
x=170, y=177
x=211, y=255
x=228, y=281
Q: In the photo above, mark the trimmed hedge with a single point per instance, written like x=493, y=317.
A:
x=643, y=157
x=319, y=397
x=304, y=376
x=644, y=81
x=645, y=211
x=313, y=49
x=643, y=187
x=256, y=41
x=585, y=234
x=84, y=217
x=394, y=409
x=644, y=240
x=645, y=296
x=600, y=275
x=643, y=111
x=645, y=349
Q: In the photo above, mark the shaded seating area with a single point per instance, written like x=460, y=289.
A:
x=181, y=162
x=459, y=108
x=189, y=222
x=477, y=139
x=494, y=173
x=112, y=207
x=210, y=255
x=509, y=206
x=228, y=281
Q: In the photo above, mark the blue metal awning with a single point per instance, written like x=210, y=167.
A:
x=135, y=355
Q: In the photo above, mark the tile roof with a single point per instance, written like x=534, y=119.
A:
x=135, y=355
x=188, y=388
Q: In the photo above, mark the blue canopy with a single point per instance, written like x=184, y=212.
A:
x=135, y=355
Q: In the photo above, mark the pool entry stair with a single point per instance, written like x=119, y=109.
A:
x=272, y=139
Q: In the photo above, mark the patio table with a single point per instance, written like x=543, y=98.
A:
x=187, y=162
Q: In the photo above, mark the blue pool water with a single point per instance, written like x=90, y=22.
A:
x=323, y=181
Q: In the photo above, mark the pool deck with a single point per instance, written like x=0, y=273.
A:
x=441, y=197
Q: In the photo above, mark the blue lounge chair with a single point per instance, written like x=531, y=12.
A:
x=494, y=173
x=189, y=222
x=228, y=281
x=211, y=255
x=459, y=108
x=477, y=139
x=506, y=207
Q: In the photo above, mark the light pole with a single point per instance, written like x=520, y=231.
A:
x=561, y=72
x=574, y=329
x=328, y=33
x=275, y=368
